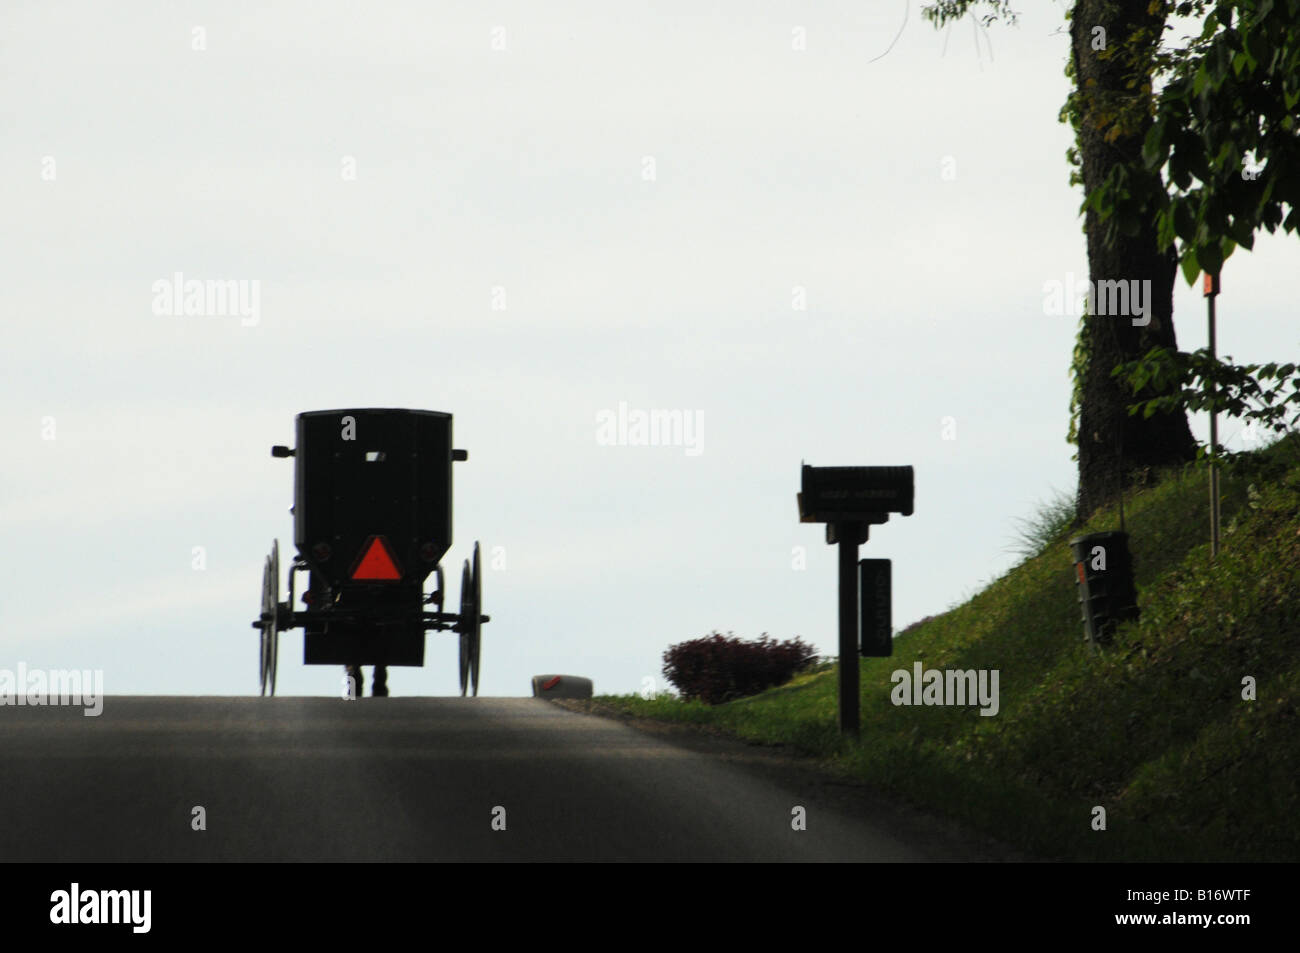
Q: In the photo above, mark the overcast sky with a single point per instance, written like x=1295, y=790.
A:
x=526, y=215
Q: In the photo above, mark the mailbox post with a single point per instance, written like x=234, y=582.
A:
x=849, y=500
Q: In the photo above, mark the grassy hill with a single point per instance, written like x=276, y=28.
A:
x=1153, y=727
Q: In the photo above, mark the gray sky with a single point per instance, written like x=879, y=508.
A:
x=129, y=155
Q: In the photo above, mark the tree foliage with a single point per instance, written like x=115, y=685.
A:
x=1225, y=136
x=1224, y=147
x=1263, y=393
x=1225, y=132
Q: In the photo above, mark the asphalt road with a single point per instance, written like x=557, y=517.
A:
x=414, y=779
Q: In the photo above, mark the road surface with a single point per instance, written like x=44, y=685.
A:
x=414, y=779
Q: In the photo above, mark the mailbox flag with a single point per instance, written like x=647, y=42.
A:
x=376, y=562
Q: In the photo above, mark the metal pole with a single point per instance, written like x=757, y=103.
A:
x=847, y=537
x=1211, y=290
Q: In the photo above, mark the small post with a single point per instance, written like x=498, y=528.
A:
x=847, y=535
x=1211, y=290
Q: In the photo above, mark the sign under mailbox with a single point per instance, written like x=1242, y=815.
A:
x=847, y=494
x=875, y=612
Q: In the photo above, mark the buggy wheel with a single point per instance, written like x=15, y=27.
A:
x=462, y=626
x=476, y=624
x=275, y=597
x=268, y=620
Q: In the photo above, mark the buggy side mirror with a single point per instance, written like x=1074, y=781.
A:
x=279, y=451
x=460, y=454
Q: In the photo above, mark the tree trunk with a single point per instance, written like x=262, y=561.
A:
x=1111, y=443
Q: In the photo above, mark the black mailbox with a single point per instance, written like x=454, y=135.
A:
x=850, y=500
x=854, y=494
x=1106, y=592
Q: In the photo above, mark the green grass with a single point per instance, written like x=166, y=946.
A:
x=1049, y=522
x=1153, y=727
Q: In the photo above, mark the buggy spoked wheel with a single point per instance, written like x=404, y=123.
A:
x=462, y=626
x=275, y=629
x=476, y=624
x=269, y=623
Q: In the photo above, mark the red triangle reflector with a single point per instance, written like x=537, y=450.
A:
x=376, y=562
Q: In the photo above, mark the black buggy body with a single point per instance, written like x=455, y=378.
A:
x=371, y=521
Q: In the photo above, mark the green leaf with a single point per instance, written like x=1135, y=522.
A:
x=1190, y=266
x=1225, y=153
x=1242, y=234
x=1154, y=148
x=1164, y=229
x=1219, y=56
x=1211, y=24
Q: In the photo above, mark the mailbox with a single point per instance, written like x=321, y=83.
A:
x=854, y=494
x=850, y=500
x=1106, y=592
x=561, y=686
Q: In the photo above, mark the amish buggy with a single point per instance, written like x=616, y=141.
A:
x=372, y=520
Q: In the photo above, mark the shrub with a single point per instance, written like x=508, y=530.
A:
x=718, y=668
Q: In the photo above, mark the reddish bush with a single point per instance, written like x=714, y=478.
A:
x=718, y=668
